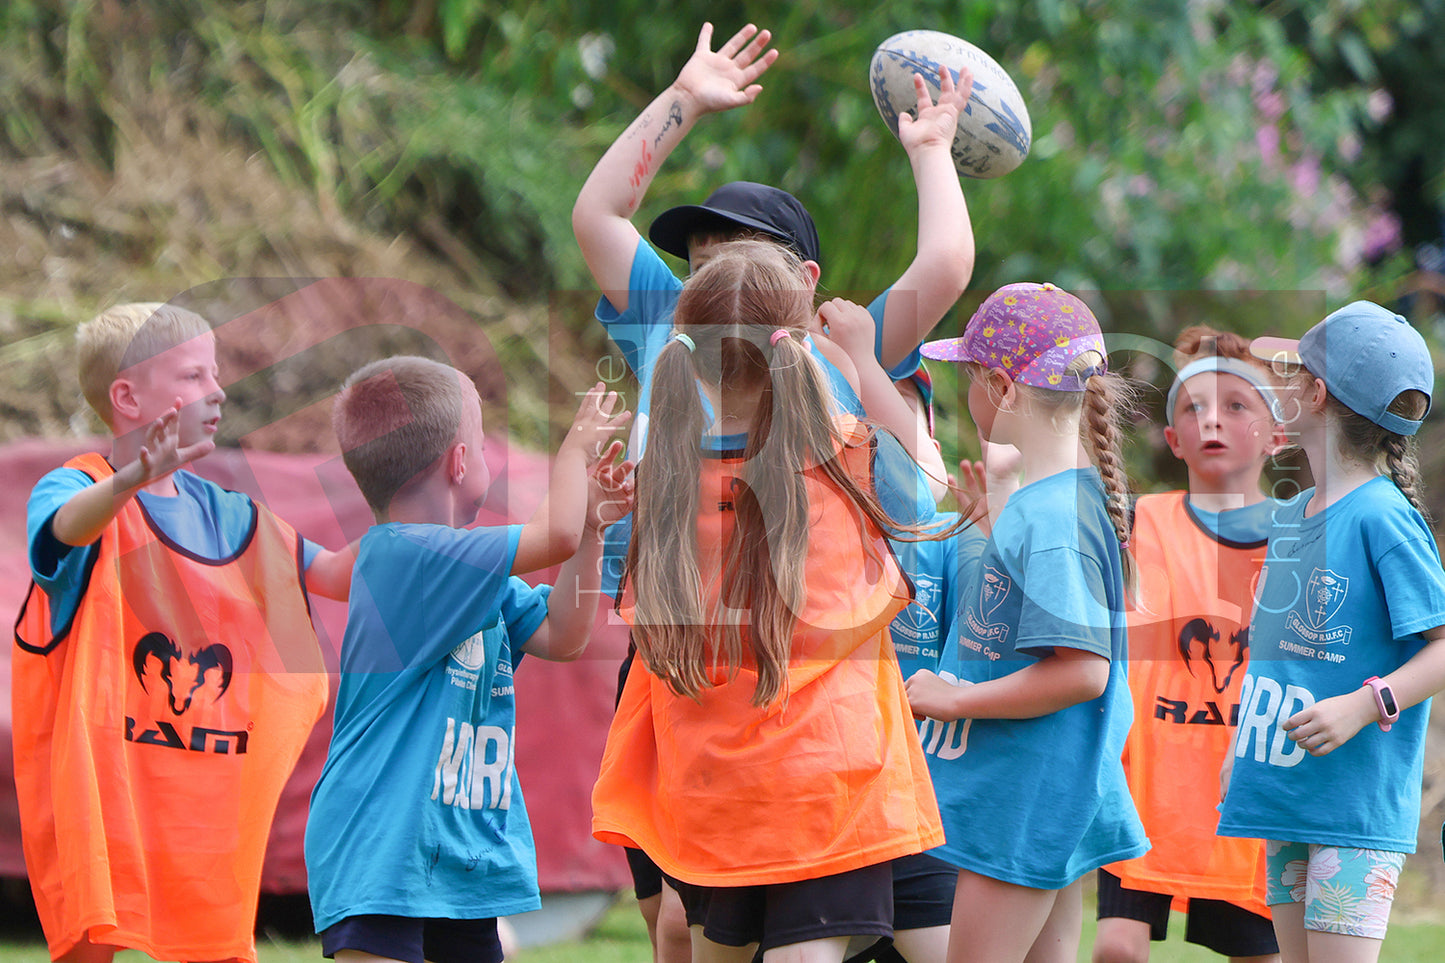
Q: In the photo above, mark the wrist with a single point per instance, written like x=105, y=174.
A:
x=1381, y=705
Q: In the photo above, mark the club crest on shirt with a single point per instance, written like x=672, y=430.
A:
x=978, y=629
x=1324, y=594
x=469, y=657
x=922, y=615
x=992, y=593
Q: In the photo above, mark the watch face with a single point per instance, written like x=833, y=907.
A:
x=1388, y=698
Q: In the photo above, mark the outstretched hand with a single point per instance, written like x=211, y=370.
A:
x=597, y=420
x=162, y=452
x=609, y=489
x=726, y=78
x=935, y=123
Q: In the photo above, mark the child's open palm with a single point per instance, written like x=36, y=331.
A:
x=935, y=123
x=726, y=78
x=162, y=451
x=598, y=419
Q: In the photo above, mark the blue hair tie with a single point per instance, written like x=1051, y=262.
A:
x=686, y=341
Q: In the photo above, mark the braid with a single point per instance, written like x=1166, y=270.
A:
x=1402, y=461
x=1105, y=395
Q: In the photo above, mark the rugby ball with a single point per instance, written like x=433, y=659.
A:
x=994, y=133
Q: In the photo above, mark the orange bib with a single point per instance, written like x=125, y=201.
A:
x=723, y=793
x=154, y=733
x=1188, y=652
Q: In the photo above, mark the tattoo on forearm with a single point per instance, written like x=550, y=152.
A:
x=641, y=171
x=674, y=118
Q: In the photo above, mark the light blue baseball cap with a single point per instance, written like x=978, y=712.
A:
x=1366, y=356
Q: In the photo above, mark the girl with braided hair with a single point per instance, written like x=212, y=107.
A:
x=1345, y=642
x=1029, y=709
x=762, y=753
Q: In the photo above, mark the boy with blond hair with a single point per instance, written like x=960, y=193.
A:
x=418, y=838
x=167, y=673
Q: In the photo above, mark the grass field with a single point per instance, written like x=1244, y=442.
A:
x=621, y=938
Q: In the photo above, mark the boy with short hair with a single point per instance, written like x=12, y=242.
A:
x=418, y=837
x=167, y=673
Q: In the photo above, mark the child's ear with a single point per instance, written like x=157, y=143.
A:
x=1171, y=438
x=1278, y=439
x=814, y=270
x=1318, y=395
x=1002, y=388
x=455, y=462
x=122, y=399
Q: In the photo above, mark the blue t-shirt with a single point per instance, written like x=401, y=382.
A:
x=418, y=811
x=936, y=569
x=202, y=518
x=1345, y=595
x=1039, y=802
x=643, y=330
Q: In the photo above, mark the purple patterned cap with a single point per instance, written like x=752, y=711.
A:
x=1033, y=332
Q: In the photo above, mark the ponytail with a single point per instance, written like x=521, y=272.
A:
x=662, y=556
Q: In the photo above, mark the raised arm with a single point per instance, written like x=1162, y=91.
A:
x=555, y=530
x=850, y=327
x=82, y=519
x=933, y=283
x=710, y=81
x=572, y=606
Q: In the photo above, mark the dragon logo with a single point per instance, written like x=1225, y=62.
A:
x=158, y=658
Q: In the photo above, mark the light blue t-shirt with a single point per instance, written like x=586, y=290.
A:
x=1345, y=595
x=1039, y=802
x=418, y=811
x=643, y=330
x=202, y=519
x=937, y=569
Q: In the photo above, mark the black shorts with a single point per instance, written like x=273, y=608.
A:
x=856, y=903
x=415, y=940
x=646, y=877
x=923, y=888
x=1215, y=924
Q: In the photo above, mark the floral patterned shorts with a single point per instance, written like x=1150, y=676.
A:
x=1343, y=890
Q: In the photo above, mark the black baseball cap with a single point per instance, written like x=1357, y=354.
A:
x=774, y=212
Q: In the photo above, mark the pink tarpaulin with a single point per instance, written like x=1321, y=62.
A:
x=562, y=709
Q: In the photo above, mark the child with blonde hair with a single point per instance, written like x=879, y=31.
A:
x=1345, y=642
x=1029, y=708
x=762, y=754
x=166, y=674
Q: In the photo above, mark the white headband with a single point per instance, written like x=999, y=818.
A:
x=1234, y=366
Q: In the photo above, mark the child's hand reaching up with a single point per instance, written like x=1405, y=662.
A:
x=936, y=123
x=724, y=79
x=594, y=425
x=609, y=489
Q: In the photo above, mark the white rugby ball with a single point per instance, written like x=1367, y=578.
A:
x=994, y=133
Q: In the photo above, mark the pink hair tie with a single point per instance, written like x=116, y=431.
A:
x=778, y=335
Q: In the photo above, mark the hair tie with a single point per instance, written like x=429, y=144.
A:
x=686, y=341
x=777, y=336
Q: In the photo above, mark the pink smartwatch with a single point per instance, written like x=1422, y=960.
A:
x=1385, y=702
